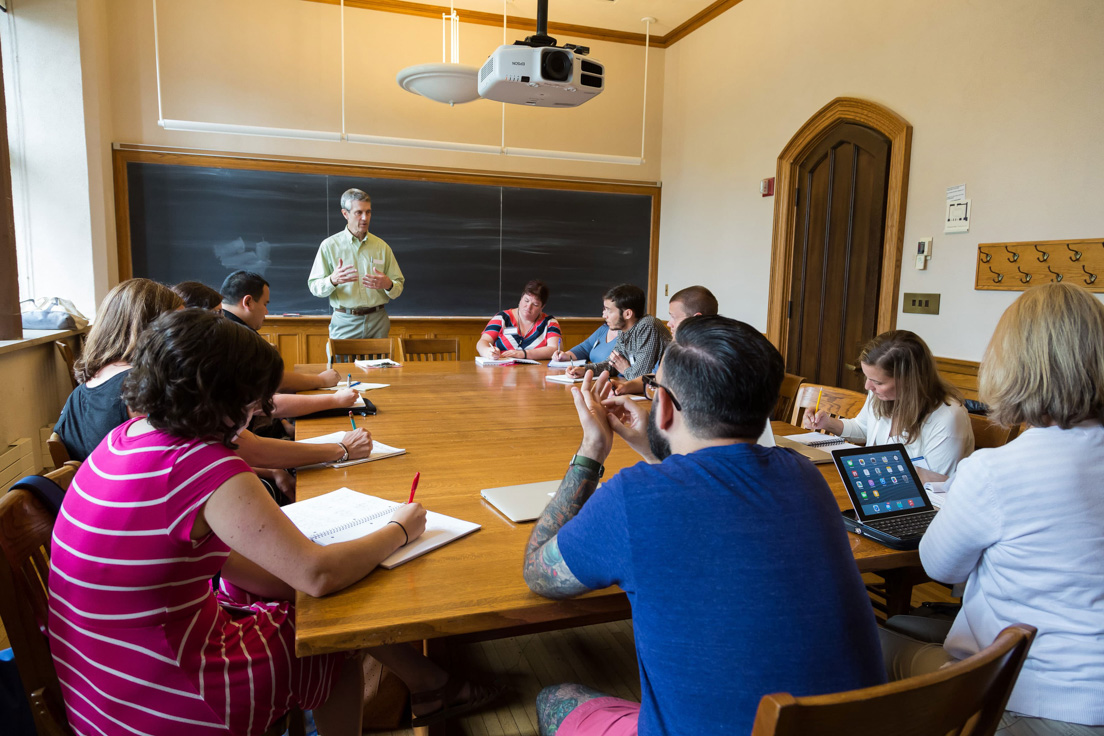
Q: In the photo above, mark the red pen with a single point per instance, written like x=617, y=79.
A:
x=414, y=487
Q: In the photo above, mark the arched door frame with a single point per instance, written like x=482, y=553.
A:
x=899, y=132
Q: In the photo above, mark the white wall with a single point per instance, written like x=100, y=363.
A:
x=46, y=136
x=1003, y=95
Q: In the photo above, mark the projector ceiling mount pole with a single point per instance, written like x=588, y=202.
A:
x=541, y=37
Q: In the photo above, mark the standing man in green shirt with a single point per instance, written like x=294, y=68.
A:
x=358, y=272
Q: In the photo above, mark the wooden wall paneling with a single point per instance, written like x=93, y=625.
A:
x=961, y=373
x=1021, y=265
x=303, y=339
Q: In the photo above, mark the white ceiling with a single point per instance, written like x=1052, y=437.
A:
x=617, y=15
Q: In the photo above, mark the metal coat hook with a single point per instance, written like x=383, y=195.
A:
x=1076, y=253
x=985, y=256
x=1025, y=277
x=999, y=276
x=1044, y=256
x=1057, y=276
x=1092, y=276
x=1015, y=256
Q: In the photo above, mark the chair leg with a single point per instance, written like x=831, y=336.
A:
x=297, y=723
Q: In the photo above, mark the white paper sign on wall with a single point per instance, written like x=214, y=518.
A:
x=958, y=216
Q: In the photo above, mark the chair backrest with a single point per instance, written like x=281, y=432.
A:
x=429, y=348
x=838, y=402
x=966, y=698
x=25, y=529
x=786, y=395
x=987, y=434
x=58, y=452
x=346, y=351
x=69, y=358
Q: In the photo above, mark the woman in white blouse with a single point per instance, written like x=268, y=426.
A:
x=1023, y=524
x=908, y=402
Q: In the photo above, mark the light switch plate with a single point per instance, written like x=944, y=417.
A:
x=921, y=303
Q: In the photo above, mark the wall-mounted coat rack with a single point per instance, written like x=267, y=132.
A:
x=1019, y=266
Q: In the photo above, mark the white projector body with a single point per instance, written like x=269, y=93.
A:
x=545, y=76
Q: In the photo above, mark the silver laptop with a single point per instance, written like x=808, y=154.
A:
x=524, y=502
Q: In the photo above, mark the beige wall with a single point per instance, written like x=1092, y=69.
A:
x=1003, y=95
x=276, y=63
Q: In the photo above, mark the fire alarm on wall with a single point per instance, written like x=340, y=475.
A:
x=766, y=187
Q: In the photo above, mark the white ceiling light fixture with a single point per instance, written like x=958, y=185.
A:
x=450, y=81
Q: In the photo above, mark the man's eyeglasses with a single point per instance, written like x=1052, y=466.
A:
x=652, y=386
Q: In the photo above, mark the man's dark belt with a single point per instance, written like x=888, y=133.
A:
x=360, y=311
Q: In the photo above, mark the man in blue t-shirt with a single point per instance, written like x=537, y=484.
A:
x=733, y=556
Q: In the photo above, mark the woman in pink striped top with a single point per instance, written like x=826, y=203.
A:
x=140, y=641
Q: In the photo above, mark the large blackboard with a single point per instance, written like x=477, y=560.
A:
x=466, y=249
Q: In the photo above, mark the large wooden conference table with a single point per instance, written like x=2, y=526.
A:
x=466, y=428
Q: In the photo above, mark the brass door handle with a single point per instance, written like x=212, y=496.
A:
x=850, y=367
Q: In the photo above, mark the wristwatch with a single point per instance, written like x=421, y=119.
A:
x=345, y=451
x=586, y=462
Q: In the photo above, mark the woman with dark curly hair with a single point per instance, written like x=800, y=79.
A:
x=137, y=634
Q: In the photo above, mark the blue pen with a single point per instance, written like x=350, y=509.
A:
x=354, y=383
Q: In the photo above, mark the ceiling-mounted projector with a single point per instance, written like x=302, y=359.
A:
x=536, y=72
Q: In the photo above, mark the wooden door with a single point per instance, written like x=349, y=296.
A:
x=837, y=255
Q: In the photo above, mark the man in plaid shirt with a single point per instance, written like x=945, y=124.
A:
x=643, y=337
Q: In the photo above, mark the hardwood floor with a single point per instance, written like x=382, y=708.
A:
x=602, y=656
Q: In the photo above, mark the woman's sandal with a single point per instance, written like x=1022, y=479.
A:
x=478, y=697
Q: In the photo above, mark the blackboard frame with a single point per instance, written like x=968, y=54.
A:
x=126, y=154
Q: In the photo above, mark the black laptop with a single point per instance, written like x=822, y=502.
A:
x=889, y=499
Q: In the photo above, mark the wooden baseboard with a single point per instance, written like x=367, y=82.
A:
x=303, y=339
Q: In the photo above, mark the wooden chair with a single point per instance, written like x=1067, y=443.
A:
x=25, y=529
x=58, y=453
x=987, y=434
x=69, y=358
x=420, y=348
x=346, y=351
x=786, y=395
x=966, y=698
x=26, y=526
x=838, y=402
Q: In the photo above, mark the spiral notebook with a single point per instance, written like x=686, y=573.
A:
x=344, y=514
x=815, y=446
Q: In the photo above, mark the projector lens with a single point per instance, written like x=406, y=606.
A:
x=556, y=65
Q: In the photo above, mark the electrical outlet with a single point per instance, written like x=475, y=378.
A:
x=921, y=303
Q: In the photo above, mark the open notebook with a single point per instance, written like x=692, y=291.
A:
x=480, y=360
x=344, y=514
x=379, y=450
x=816, y=446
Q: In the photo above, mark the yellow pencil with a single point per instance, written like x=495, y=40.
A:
x=817, y=407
